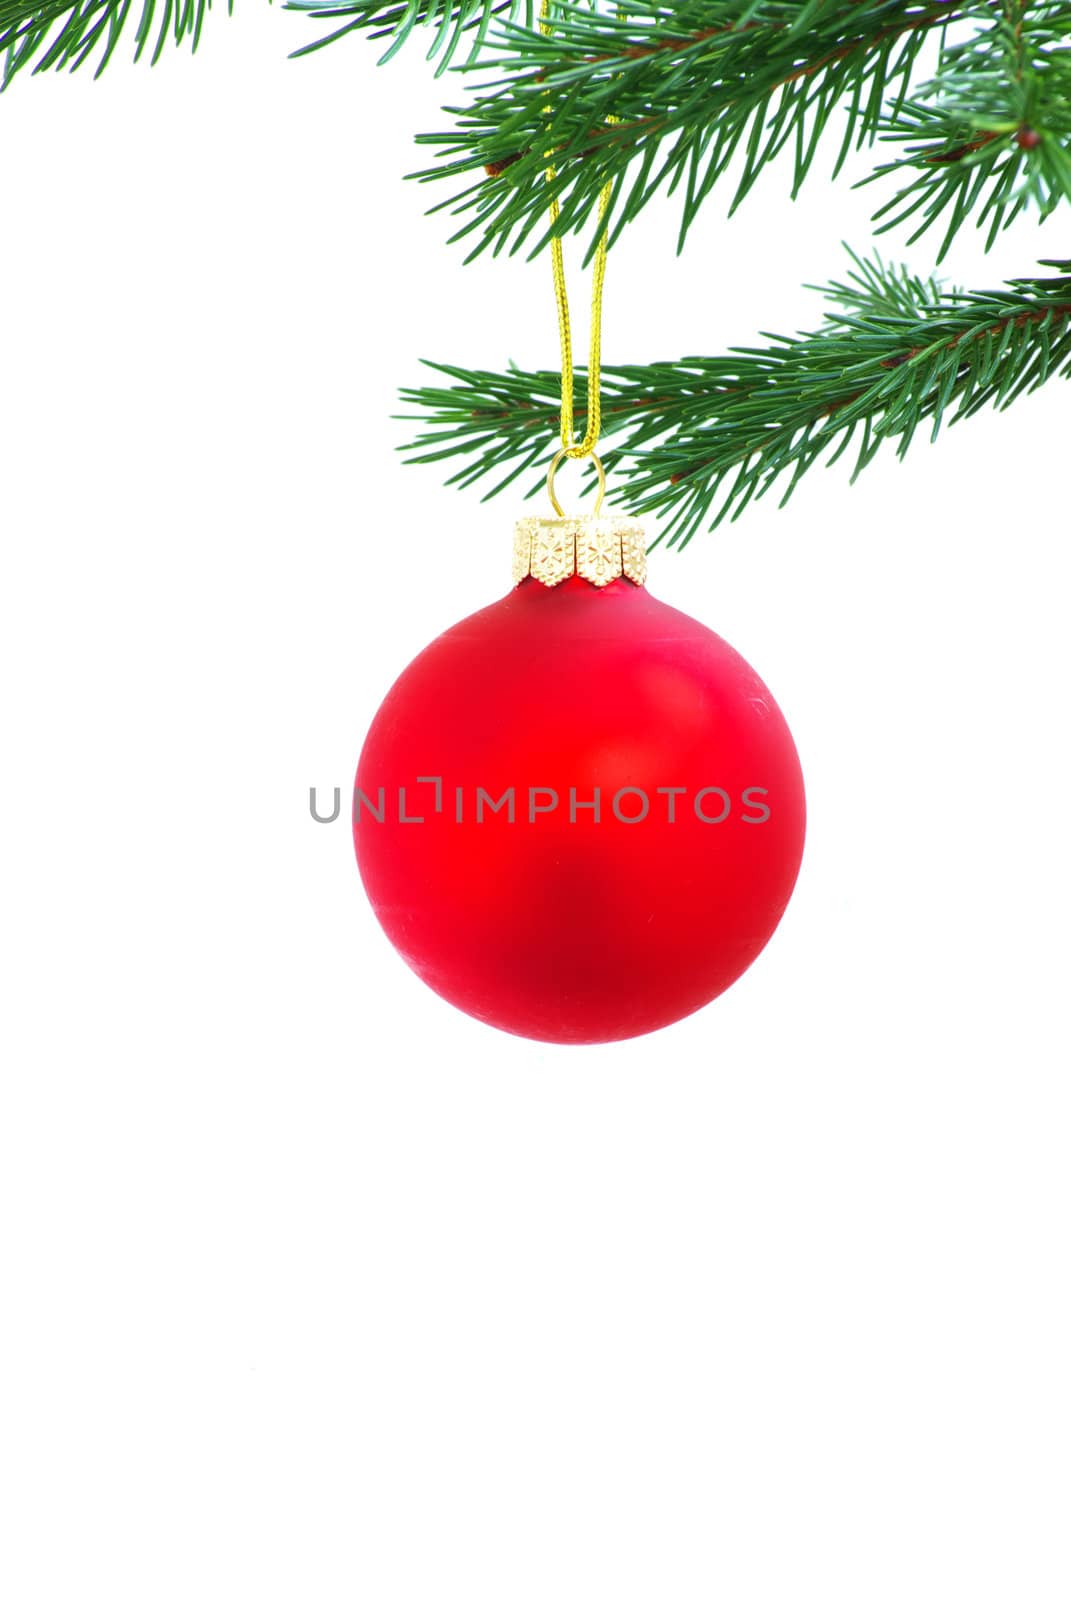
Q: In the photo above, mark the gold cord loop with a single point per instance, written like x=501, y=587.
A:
x=558, y=459
x=586, y=446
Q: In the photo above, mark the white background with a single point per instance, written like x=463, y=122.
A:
x=314, y=1287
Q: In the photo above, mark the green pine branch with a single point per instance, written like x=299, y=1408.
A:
x=64, y=34
x=45, y=34
x=667, y=97
x=654, y=98
x=695, y=440
x=450, y=26
x=992, y=133
x=689, y=87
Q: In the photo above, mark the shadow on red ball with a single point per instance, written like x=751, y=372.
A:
x=579, y=814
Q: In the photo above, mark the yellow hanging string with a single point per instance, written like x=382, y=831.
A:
x=586, y=446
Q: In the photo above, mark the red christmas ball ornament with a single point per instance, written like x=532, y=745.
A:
x=579, y=814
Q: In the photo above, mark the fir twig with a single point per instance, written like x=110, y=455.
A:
x=449, y=26
x=695, y=440
x=992, y=132
x=689, y=87
x=44, y=34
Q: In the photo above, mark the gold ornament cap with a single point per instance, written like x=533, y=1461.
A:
x=600, y=549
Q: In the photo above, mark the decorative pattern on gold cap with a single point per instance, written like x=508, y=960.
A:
x=599, y=549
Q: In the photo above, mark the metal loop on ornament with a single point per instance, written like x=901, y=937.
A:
x=558, y=459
